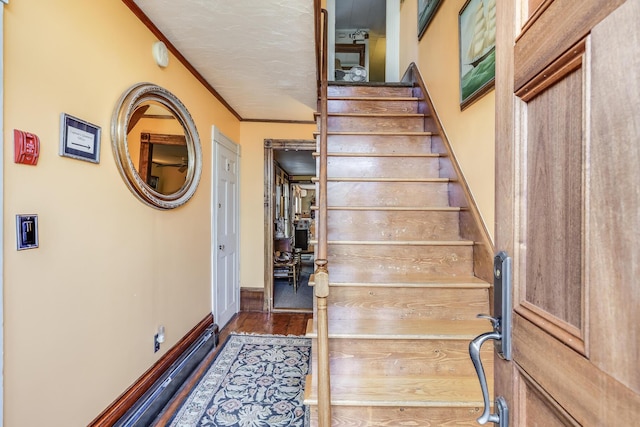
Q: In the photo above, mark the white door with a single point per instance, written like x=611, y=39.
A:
x=226, y=285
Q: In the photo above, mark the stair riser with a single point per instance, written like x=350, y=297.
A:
x=369, y=91
x=383, y=264
x=371, y=357
x=394, y=304
x=375, y=124
x=384, y=144
x=432, y=194
x=441, y=391
x=367, y=106
x=364, y=416
x=393, y=225
x=383, y=167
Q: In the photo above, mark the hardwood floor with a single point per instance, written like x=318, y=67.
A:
x=247, y=322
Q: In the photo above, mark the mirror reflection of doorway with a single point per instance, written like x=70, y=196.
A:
x=289, y=224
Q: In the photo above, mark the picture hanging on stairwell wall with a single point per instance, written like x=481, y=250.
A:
x=477, y=56
x=426, y=10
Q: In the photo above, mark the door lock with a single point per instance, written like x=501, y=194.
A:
x=501, y=335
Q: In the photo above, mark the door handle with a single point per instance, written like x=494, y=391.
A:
x=502, y=417
x=501, y=334
x=221, y=247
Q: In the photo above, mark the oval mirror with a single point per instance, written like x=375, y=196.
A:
x=156, y=146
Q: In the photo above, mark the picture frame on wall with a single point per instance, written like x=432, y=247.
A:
x=426, y=10
x=477, y=49
x=79, y=139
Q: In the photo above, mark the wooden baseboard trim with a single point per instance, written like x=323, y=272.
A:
x=122, y=404
x=251, y=299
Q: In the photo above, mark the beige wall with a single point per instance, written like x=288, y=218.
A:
x=471, y=132
x=377, y=54
x=252, y=193
x=82, y=309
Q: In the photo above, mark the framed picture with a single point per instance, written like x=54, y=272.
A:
x=79, y=139
x=426, y=10
x=477, y=36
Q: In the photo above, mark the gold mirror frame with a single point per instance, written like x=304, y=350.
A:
x=129, y=102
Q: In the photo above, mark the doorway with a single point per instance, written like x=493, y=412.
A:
x=373, y=26
x=289, y=227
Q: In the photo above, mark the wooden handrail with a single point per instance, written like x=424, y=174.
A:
x=321, y=273
x=317, y=12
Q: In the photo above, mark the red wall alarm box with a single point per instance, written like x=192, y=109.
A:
x=26, y=146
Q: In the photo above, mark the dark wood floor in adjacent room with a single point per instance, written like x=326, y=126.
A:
x=244, y=322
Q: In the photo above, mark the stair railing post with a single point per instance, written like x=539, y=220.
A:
x=321, y=274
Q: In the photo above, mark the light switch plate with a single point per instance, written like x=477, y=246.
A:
x=27, y=231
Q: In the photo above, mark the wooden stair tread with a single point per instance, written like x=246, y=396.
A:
x=376, y=115
x=400, y=391
x=374, y=179
x=405, y=281
x=363, y=133
x=394, y=208
x=439, y=282
x=347, y=154
x=418, y=329
x=371, y=98
x=337, y=84
x=399, y=242
x=436, y=282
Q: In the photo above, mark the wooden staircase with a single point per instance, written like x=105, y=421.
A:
x=403, y=296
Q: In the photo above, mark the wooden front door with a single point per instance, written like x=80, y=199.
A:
x=568, y=209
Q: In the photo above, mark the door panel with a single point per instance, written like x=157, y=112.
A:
x=537, y=401
x=567, y=209
x=589, y=395
x=554, y=200
x=551, y=287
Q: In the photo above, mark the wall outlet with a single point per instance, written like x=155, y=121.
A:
x=156, y=343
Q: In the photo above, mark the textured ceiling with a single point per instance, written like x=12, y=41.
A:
x=259, y=55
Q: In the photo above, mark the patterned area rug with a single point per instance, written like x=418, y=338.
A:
x=254, y=381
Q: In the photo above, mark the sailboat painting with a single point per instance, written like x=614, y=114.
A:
x=477, y=26
x=426, y=10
